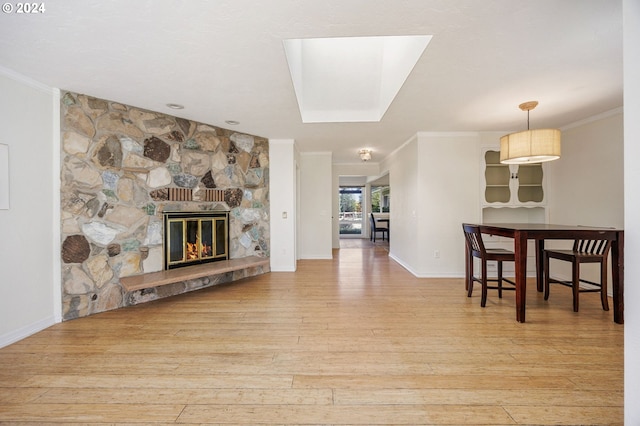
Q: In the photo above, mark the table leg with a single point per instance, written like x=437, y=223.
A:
x=540, y=264
x=617, y=276
x=468, y=267
x=520, y=250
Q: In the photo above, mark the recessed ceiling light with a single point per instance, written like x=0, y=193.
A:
x=175, y=106
x=232, y=122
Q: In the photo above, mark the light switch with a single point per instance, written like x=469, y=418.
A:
x=284, y=215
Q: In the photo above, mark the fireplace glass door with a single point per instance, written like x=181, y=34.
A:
x=191, y=240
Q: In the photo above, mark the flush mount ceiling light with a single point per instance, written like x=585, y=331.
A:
x=232, y=122
x=530, y=146
x=175, y=106
x=365, y=154
x=350, y=79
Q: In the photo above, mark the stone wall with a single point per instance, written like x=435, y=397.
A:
x=117, y=165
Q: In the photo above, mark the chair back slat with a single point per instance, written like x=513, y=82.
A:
x=596, y=247
x=474, y=239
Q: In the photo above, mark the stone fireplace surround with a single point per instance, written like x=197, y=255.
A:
x=119, y=166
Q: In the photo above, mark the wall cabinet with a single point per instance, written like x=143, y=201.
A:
x=511, y=192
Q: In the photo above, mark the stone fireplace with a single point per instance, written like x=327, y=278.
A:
x=192, y=238
x=123, y=170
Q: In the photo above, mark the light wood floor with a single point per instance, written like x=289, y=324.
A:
x=354, y=340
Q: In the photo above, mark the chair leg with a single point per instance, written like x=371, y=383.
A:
x=575, y=280
x=483, y=300
x=466, y=267
x=500, y=279
x=470, y=278
x=603, y=285
x=546, y=277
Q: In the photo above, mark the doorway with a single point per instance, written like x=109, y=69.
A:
x=351, y=216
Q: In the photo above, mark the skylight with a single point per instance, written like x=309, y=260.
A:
x=350, y=79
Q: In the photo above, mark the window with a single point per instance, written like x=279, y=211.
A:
x=380, y=199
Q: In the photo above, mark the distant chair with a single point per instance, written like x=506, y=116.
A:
x=476, y=248
x=583, y=251
x=375, y=229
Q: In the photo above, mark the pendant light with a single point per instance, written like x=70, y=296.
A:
x=530, y=146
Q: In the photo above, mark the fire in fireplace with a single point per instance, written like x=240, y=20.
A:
x=195, y=237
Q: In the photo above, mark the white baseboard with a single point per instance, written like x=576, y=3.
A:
x=315, y=257
x=427, y=275
x=285, y=267
x=26, y=331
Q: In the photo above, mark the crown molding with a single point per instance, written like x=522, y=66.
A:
x=601, y=116
x=9, y=73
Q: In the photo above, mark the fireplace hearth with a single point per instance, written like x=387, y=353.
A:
x=192, y=238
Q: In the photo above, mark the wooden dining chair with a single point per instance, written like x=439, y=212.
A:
x=476, y=248
x=583, y=251
x=377, y=228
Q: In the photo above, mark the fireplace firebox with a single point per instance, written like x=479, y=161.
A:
x=195, y=237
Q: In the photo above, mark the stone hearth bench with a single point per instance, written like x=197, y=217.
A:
x=155, y=279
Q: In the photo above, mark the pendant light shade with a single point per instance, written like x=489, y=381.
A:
x=530, y=146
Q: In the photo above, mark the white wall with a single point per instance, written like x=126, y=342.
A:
x=316, y=195
x=449, y=171
x=587, y=186
x=588, y=183
x=631, y=34
x=434, y=182
x=27, y=243
x=403, y=181
x=282, y=197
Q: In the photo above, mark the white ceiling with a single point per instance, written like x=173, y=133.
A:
x=225, y=60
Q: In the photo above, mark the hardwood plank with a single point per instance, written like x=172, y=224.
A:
x=172, y=395
x=90, y=413
x=336, y=414
x=541, y=397
x=567, y=415
x=160, y=381
x=365, y=382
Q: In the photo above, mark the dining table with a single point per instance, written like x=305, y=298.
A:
x=385, y=221
x=522, y=232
